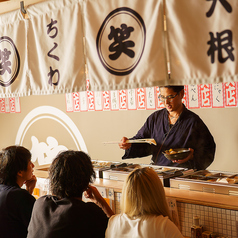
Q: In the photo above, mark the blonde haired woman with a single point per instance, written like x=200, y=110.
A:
x=145, y=212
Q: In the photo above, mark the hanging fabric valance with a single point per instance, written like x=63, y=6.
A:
x=116, y=45
x=202, y=41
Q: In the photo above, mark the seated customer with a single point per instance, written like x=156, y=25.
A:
x=16, y=203
x=64, y=214
x=145, y=213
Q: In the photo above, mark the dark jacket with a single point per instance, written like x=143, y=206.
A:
x=188, y=132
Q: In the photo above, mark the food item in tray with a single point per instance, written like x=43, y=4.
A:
x=212, y=180
x=219, y=175
x=208, y=174
x=118, y=165
x=101, y=163
x=133, y=166
x=222, y=180
x=171, y=152
x=122, y=169
x=125, y=167
x=106, y=164
x=203, y=173
x=165, y=169
x=232, y=180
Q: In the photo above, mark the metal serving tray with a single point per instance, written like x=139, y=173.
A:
x=165, y=173
x=208, y=181
x=100, y=165
x=119, y=172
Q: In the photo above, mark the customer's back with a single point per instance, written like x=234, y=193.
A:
x=145, y=213
x=15, y=203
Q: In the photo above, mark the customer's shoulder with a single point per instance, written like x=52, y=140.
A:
x=46, y=199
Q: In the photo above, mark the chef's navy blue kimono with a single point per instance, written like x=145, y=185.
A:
x=189, y=131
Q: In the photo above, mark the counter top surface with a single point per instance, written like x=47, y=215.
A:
x=194, y=197
x=186, y=196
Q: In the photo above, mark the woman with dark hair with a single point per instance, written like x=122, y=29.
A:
x=64, y=214
x=16, y=203
x=144, y=209
x=173, y=127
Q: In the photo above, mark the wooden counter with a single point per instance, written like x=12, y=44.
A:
x=186, y=196
x=211, y=207
x=193, y=197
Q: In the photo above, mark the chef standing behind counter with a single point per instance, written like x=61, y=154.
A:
x=173, y=127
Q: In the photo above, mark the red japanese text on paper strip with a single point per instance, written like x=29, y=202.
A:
x=106, y=100
x=185, y=96
x=2, y=105
x=91, y=101
x=141, y=98
x=159, y=104
x=206, y=95
x=76, y=101
x=122, y=100
x=230, y=94
x=12, y=105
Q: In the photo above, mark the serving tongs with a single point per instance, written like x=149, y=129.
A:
x=150, y=141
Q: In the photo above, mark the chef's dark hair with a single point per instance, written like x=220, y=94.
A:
x=175, y=88
x=70, y=174
x=12, y=160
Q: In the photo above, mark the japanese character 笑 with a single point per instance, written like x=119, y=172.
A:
x=120, y=45
x=4, y=65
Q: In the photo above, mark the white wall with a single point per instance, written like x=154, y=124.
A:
x=99, y=127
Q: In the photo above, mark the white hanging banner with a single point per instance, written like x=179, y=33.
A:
x=203, y=41
x=43, y=54
x=13, y=58
x=55, y=47
x=125, y=44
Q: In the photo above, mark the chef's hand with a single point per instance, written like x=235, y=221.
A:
x=30, y=184
x=190, y=156
x=123, y=145
x=93, y=194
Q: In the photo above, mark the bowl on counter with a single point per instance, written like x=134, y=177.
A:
x=176, y=154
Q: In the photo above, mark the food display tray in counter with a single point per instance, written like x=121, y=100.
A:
x=119, y=172
x=165, y=173
x=208, y=181
x=99, y=166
